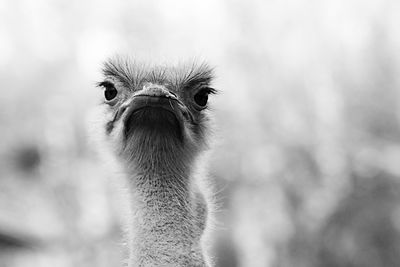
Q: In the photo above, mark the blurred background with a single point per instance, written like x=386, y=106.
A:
x=306, y=162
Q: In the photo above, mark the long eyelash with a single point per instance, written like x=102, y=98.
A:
x=211, y=90
x=105, y=84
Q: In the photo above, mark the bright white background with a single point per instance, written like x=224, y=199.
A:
x=307, y=125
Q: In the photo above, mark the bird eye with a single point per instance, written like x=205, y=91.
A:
x=110, y=92
x=201, y=97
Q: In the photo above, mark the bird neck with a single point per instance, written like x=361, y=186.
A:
x=165, y=208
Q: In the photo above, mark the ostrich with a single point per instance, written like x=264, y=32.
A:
x=157, y=124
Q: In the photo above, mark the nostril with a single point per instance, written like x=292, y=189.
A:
x=172, y=93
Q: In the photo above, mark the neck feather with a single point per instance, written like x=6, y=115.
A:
x=166, y=224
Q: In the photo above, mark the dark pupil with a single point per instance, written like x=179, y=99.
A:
x=110, y=94
x=201, y=98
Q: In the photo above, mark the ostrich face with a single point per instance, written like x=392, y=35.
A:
x=156, y=108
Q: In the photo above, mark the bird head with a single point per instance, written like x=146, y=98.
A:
x=156, y=110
